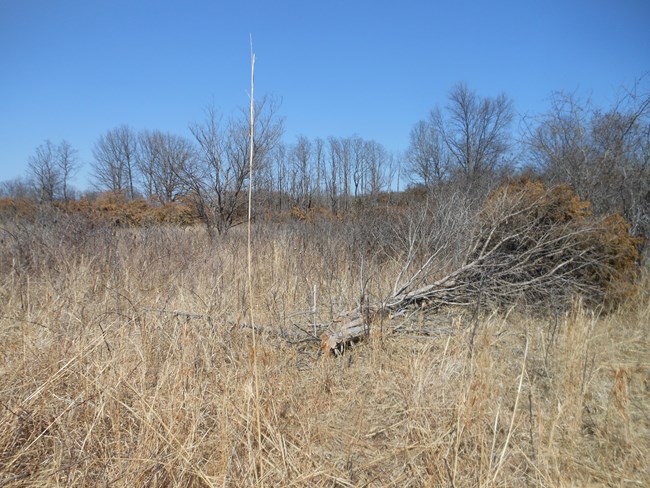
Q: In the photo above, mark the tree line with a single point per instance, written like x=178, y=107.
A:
x=469, y=143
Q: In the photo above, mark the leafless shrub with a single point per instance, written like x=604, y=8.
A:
x=48, y=237
x=534, y=246
x=603, y=154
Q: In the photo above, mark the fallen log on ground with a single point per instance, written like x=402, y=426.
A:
x=347, y=329
x=350, y=327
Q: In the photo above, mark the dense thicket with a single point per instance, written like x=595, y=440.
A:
x=545, y=246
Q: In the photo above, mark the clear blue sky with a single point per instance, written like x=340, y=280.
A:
x=72, y=69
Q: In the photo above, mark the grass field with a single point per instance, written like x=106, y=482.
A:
x=104, y=383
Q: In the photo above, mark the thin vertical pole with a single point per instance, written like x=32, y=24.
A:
x=250, y=266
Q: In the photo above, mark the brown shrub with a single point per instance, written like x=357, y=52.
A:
x=546, y=246
x=116, y=210
x=17, y=208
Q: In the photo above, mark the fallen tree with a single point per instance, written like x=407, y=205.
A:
x=529, y=245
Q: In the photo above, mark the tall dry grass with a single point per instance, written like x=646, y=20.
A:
x=101, y=384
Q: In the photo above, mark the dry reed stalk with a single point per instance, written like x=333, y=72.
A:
x=514, y=413
x=258, y=461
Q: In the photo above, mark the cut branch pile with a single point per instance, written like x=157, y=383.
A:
x=531, y=246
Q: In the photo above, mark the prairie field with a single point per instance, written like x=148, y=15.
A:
x=128, y=358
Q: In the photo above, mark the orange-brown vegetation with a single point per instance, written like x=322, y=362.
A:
x=537, y=237
x=107, y=208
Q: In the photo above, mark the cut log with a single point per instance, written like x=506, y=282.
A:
x=355, y=325
x=348, y=328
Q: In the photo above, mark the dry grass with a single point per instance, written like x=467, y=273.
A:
x=98, y=389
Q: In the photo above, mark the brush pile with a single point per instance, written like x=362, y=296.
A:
x=529, y=245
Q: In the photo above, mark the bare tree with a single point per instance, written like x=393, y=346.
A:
x=604, y=155
x=280, y=168
x=427, y=156
x=302, y=159
x=392, y=170
x=175, y=156
x=359, y=164
x=163, y=159
x=474, y=131
x=51, y=168
x=331, y=180
x=17, y=188
x=115, y=161
x=44, y=172
x=622, y=161
x=147, y=158
x=66, y=158
x=560, y=144
x=376, y=167
x=219, y=179
x=319, y=154
x=345, y=167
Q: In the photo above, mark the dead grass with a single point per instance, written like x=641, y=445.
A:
x=97, y=388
